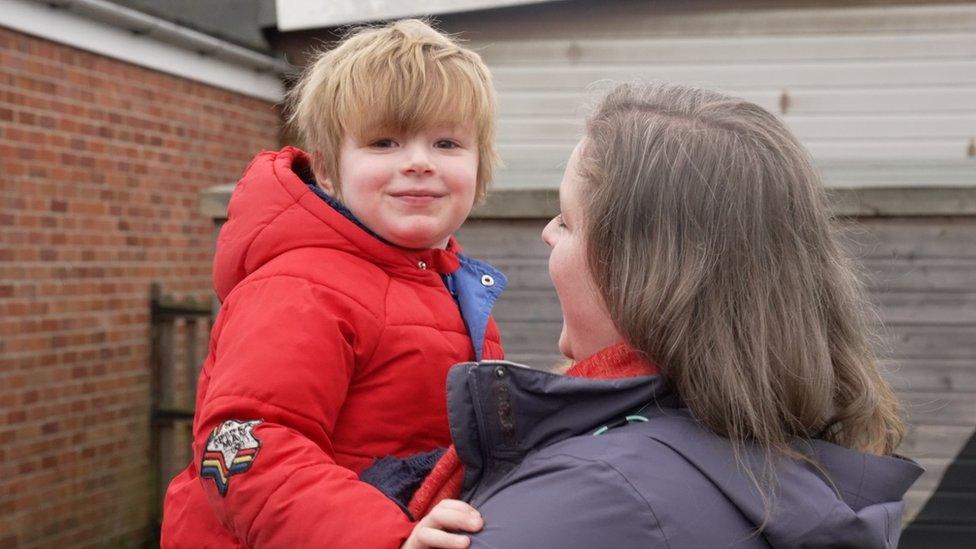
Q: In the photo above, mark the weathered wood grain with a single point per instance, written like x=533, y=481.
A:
x=525, y=273
x=719, y=19
x=526, y=156
x=912, y=309
x=911, y=238
x=935, y=441
x=805, y=101
x=891, y=274
x=925, y=408
x=928, y=342
x=744, y=76
x=932, y=375
x=676, y=50
x=508, y=239
x=568, y=128
x=926, y=308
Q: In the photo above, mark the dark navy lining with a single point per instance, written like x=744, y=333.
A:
x=399, y=478
x=341, y=208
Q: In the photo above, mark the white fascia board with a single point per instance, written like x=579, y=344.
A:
x=311, y=14
x=64, y=27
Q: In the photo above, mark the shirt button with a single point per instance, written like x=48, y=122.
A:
x=487, y=280
x=422, y=265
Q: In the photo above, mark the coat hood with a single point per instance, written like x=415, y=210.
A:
x=273, y=211
x=500, y=412
x=849, y=499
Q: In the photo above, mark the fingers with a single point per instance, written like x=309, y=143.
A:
x=434, y=531
x=434, y=538
x=453, y=515
x=456, y=504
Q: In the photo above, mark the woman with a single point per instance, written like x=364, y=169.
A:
x=694, y=241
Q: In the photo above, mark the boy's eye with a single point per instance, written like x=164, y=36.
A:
x=447, y=144
x=383, y=143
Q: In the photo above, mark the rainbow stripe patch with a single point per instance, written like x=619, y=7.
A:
x=231, y=449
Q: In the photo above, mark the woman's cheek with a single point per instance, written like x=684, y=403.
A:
x=565, y=278
x=564, y=347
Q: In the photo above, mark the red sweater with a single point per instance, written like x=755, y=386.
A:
x=444, y=482
x=331, y=349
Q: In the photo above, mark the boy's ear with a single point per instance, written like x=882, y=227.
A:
x=320, y=176
x=326, y=184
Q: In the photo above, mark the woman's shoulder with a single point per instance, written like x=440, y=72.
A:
x=700, y=491
x=661, y=460
x=646, y=488
x=567, y=500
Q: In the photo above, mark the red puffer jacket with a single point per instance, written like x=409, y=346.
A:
x=331, y=349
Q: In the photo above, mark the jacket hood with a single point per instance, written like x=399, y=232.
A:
x=501, y=411
x=273, y=211
x=848, y=499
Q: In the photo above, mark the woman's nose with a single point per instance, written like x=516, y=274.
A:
x=548, y=232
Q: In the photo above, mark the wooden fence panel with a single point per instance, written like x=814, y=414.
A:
x=180, y=331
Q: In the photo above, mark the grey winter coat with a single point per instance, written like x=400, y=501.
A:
x=542, y=480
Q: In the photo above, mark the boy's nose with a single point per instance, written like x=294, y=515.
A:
x=418, y=161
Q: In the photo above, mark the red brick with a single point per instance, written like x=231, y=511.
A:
x=76, y=184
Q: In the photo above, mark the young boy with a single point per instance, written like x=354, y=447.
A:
x=345, y=300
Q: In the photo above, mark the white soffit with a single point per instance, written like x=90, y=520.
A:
x=310, y=14
x=65, y=27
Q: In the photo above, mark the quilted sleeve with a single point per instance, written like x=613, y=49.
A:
x=283, y=357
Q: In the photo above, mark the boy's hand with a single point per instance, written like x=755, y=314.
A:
x=434, y=530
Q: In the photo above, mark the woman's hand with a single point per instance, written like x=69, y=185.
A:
x=434, y=530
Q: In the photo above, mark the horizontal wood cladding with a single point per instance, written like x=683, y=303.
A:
x=811, y=101
x=948, y=126
x=581, y=51
x=744, y=76
x=934, y=441
x=911, y=238
x=921, y=273
x=896, y=204
x=887, y=83
x=932, y=375
x=743, y=18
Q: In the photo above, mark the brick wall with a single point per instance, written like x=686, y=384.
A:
x=101, y=163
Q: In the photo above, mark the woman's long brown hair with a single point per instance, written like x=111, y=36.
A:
x=709, y=236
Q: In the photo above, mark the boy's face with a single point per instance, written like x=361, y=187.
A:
x=413, y=190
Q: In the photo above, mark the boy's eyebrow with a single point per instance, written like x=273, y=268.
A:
x=376, y=131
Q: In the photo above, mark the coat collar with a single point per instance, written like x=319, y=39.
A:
x=500, y=411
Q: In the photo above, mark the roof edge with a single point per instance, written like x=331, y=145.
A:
x=294, y=15
x=132, y=36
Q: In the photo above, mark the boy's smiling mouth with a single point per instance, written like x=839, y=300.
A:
x=417, y=197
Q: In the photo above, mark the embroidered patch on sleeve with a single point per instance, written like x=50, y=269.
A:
x=231, y=449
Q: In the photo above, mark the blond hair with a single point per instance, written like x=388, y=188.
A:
x=402, y=77
x=709, y=236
